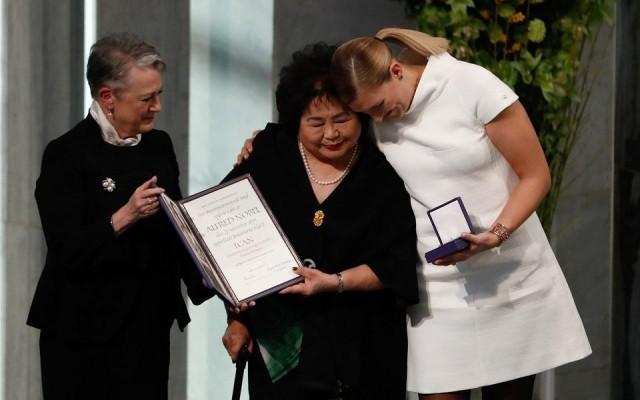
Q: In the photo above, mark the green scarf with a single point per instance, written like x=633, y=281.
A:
x=278, y=329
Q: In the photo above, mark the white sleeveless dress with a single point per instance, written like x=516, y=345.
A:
x=505, y=313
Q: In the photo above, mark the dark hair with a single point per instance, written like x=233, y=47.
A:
x=305, y=78
x=113, y=55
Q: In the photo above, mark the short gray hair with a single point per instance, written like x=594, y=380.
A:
x=113, y=55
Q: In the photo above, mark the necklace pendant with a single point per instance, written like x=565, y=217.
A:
x=318, y=218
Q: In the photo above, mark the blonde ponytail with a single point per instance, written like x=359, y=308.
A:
x=417, y=41
x=365, y=61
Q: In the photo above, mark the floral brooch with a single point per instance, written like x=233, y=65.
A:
x=109, y=185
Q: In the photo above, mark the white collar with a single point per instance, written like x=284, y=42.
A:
x=109, y=133
x=433, y=80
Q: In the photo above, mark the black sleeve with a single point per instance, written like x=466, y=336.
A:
x=238, y=170
x=75, y=240
x=196, y=290
x=393, y=255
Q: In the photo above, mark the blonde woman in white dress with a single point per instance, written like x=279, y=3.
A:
x=497, y=313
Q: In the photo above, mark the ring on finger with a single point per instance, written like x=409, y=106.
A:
x=149, y=200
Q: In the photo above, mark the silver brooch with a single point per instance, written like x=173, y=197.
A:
x=109, y=185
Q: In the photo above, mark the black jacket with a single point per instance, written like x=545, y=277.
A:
x=357, y=338
x=92, y=280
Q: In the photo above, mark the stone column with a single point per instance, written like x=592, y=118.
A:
x=42, y=95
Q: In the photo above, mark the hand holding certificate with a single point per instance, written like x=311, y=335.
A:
x=234, y=239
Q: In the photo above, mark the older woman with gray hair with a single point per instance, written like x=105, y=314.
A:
x=110, y=288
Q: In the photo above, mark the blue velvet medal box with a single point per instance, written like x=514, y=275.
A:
x=449, y=221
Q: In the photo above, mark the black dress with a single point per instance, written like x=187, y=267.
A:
x=105, y=304
x=354, y=343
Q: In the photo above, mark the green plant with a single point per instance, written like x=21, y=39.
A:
x=535, y=46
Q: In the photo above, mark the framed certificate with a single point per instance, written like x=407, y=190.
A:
x=235, y=240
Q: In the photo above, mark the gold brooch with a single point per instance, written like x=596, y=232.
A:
x=318, y=218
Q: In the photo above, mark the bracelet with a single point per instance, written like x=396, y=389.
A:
x=501, y=231
x=340, y=282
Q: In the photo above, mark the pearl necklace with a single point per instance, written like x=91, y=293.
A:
x=331, y=181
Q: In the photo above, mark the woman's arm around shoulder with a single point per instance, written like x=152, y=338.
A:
x=257, y=145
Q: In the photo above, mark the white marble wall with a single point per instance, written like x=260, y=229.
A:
x=230, y=96
x=23, y=239
x=40, y=101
